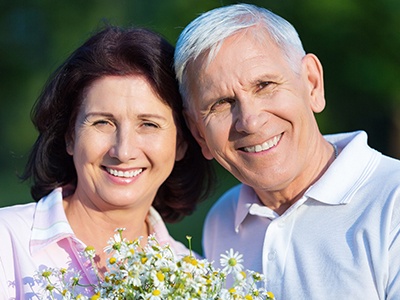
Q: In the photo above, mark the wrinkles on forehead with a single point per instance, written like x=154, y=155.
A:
x=196, y=66
x=259, y=34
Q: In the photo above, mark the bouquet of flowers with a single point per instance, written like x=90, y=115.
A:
x=153, y=272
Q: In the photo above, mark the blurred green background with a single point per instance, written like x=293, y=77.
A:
x=357, y=41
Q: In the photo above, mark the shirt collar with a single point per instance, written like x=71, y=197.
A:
x=50, y=223
x=249, y=203
x=348, y=171
x=156, y=225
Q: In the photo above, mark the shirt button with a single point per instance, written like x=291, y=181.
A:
x=272, y=255
x=281, y=224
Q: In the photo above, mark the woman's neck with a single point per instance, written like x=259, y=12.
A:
x=95, y=228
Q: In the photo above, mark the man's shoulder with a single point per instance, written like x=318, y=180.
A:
x=386, y=173
x=226, y=205
x=228, y=200
x=220, y=222
x=390, y=164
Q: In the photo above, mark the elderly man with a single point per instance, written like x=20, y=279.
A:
x=318, y=215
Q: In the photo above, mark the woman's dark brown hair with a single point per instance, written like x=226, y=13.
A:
x=114, y=51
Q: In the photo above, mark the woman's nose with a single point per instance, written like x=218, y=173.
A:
x=125, y=145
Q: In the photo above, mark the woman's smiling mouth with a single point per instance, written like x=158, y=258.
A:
x=124, y=174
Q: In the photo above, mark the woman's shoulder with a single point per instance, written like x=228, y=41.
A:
x=15, y=230
x=16, y=215
x=27, y=211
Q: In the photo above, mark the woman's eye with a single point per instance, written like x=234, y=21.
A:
x=150, y=124
x=104, y=125
x=100, y=123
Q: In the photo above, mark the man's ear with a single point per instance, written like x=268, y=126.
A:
x=314, y=77
x=197, y=134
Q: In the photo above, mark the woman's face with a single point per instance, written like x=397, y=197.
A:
x=124, y=144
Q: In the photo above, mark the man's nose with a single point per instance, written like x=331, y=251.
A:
x=250, y=117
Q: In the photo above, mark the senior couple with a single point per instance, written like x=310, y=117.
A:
x=318, y=215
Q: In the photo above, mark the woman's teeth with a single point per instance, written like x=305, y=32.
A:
x=124, y=174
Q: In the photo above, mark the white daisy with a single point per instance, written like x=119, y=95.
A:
x=231, y=261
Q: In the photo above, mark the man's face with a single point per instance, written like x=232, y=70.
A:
x=254, y=114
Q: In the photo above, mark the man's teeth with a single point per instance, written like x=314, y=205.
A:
x=264, y=146
x=126, y=174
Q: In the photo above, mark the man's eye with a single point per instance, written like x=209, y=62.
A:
x=263, y=85
x=221, y=104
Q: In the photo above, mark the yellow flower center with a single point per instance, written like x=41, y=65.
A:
x=232, y=262
x=89, y=248
x=271, y=295
x=113, y=260
x=95, y=296
x=190, y=260
x=156, y=292
x=46, y=274
x=160, y=276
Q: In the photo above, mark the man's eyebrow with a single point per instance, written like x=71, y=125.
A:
x=264, y=78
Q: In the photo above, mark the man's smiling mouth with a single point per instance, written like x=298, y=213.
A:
x=264, y=146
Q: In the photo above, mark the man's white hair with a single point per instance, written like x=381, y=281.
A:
x=205, y=34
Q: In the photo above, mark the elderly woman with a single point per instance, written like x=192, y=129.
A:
x=113, y=151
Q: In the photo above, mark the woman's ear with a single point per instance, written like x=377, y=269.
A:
x=315, y=82
x=69, y=144
x=181, y=148
x=197, y=134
